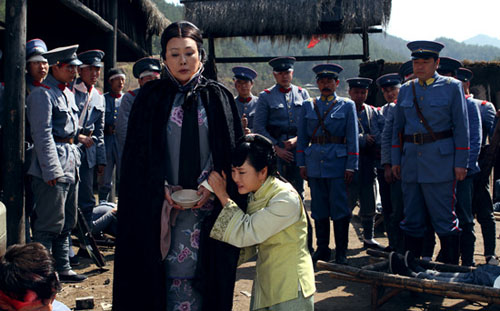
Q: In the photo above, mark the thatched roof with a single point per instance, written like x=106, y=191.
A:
x=289, y=18
x=156, y=21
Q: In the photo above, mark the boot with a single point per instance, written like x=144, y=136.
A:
x=323, y=252
x=467, y=241
x=414, y=245
x=341, y=232
x=450, y=247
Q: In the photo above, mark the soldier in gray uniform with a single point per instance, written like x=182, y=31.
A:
x=245, y=101
x=362, y=186
x=37, y=69
x=393, y=212
x=53, y=116
x=91, y=107
x=276, y=117
x=113, y=98
x=482, y=205
x=144, y=70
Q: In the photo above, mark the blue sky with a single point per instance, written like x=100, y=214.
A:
x=429, y=19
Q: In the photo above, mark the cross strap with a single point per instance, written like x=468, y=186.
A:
x=420, y=115
x=321, y=119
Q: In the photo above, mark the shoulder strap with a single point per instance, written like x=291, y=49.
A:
x=321, y=119
x=419, y=113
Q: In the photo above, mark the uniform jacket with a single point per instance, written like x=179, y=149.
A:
x=139, y=271
x=386, y=138
x=443, y=106
x=112, y=108
x=328, y=160
x=247, y=108
x=475, y=132
x=122, y=120
x=274, y=109
x=93, y=123
x=52, y=112
x=487, y=112
x=276, y=226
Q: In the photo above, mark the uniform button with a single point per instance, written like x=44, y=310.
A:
x=421, y=121
x=421, y=98
x=321, y=161
x=419, y=154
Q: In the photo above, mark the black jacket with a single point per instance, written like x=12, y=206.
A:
x=139, y=274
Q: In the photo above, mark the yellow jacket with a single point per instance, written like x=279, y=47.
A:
x=276, y=225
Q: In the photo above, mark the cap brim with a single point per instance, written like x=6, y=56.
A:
x=75, y=62
x=37, y=58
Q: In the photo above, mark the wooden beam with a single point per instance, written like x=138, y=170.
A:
x=14, y=119
x=111, y=44
x=77, y=7
x=366, y=46
x=265, y=59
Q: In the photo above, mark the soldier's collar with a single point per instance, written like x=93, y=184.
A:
x=428, y=81
x=327, y=98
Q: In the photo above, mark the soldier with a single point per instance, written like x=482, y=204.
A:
x=276, y=118
x=53, y=116
x=245, y=101
x=482, y=205
x=144, y=70
x=116, y=81
x=91, y=107
x=327, y=154
x=362, y=186
x=392, y=210
x=37, y=69
x=431, y=120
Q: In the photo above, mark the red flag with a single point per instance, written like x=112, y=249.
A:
x=314, y=40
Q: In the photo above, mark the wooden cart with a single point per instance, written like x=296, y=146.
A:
x=385, y=285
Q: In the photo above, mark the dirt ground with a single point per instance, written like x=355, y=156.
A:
x=331, y=294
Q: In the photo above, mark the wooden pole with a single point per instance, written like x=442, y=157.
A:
x=366, y=46
x=13, y=125
x=111, y=43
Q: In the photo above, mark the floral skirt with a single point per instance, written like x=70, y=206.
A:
x=182, y=296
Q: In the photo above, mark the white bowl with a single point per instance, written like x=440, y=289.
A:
x=186, y=198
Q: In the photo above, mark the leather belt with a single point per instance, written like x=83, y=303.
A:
x=425, y=138
x=328, y=140
x=67, y=140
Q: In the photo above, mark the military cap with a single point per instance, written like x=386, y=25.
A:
x=244, y=73
x=91, y=58
x=362, y=83
x=406, y=69
x=448, y=65
x=389, y=79
x=327, y=71
x=424, y=49
x=63, y=55
x=146, y=66
x=464, y=74
x=281, y=64
x=34, y=50
x=115, y=73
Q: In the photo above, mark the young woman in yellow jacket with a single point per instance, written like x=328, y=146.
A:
x=274, y=227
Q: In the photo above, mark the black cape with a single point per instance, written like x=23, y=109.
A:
x=139, y=274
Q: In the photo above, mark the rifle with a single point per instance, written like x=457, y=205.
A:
x=87, y=241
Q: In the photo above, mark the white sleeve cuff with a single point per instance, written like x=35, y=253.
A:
x=206, y=185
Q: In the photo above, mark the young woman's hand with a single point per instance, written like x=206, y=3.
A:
x=218, y=184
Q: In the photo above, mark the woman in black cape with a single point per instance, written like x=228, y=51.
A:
x=181, y=127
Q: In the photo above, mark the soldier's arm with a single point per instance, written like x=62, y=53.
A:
x=261, y=118
x=460, y=127
x=99, y=135
x=475, y=131
x=40, y=117
x=352, y=138
x=490, y=119
x=397, y=130
x=302, y=136
x=387, y=136
x=122, y=119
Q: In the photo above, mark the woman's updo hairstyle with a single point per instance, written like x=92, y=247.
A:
x=258, y=150
x=182, y=29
